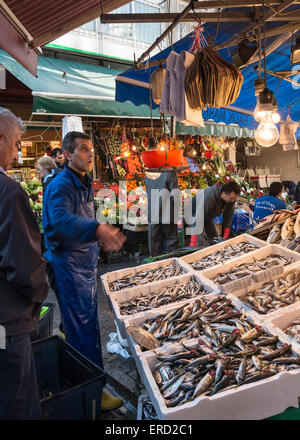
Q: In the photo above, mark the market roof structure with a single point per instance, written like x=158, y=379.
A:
x=282, y=77
x=27, y=25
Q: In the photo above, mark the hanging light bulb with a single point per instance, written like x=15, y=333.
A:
x=204, y=167
x=134, y=148
x=126, y=153
x=266, y=134
x=276, y=116
x=194, y=153
x=264, y=107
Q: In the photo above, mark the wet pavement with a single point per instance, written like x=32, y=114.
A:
x=121, y=374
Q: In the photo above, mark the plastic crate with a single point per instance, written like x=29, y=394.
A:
x=45, y=325
x=70, y=385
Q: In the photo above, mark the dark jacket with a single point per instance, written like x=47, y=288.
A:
x=213, y=207
x=164, y=180
x=47, y=179
x=23, y=285
x=68, y=214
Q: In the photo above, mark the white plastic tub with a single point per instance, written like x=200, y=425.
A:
x=245, y=282
x=253, y=401
x=236, y=295
x=149, y=290
x=282, y=319
x=118, y=274
x=244, y=238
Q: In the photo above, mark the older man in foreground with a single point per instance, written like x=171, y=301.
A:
x=23, y=285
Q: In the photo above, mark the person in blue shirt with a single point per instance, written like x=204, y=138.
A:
x=266, y=205
x=72, y=234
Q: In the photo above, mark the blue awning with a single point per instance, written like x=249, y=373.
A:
x=133, y=85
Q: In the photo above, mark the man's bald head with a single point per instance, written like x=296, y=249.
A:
x=9, y=122
x=11, y=128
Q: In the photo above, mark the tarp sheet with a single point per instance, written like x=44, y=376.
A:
x=133, y=84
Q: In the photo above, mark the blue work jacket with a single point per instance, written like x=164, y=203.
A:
x=68, y=215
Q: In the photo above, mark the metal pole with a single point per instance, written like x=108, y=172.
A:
x=165, y=33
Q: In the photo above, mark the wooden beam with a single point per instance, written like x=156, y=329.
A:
x=232, y=4
x=206, y=17
x=169, y=17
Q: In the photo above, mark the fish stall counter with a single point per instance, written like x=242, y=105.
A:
x=235, y=368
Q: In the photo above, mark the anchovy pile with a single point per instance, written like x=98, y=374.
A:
x=166, y=295
x=293, y=330
x=228, y=353
x=147, y=276
x=281, y=292
x=250, y=268
x=227, y=253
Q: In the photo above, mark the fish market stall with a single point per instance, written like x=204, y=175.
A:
x=207, y=351
x=282, y=227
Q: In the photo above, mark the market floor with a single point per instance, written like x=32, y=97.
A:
x=121, y=373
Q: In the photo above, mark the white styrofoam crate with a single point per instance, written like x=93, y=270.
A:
x=236, y=295
x=262, y=275
x=137, y=321
x=253, y=401
x=243, y=238
x=149, y=290
x=118, y=274
x=283, y=318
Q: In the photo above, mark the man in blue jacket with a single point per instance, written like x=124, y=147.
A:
x=71, y=236
x=266, y=205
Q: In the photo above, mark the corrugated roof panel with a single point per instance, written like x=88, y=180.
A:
x=46, y=20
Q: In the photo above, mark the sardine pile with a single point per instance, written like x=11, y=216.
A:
x=224, y=254
x=166, y=295
x=230, y=351
x=293, y=330
x=281, y=292
x=250, y=268
x=147, y=276
x=187, y=321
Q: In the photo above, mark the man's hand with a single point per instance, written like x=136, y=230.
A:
x=111, y=238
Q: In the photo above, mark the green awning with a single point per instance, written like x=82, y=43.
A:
x=64, y=87
x=56, y=105
x=67, y=87
x=216, y=129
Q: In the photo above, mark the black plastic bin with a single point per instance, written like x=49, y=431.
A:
x=45, y=325
x=70, y=385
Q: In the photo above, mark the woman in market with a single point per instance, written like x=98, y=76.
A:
x=266, y=205
x=47, y=169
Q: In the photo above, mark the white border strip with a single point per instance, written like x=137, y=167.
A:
x=66, y=95
x=133, y=82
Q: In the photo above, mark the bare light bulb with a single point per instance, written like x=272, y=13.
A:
x=204, y=167
x=134, y=147
x=276, y=117
x=194, y=153
x=260, y=114
x=266, y=134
